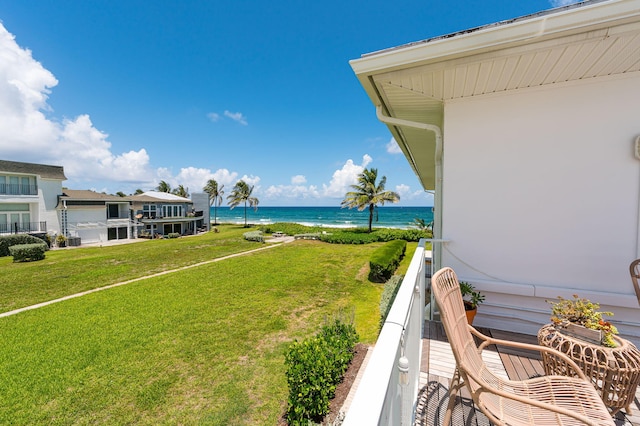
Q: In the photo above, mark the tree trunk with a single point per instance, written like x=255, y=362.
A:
x=371, y=208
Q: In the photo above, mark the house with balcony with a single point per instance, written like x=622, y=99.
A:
x=89, y=217
x=28, y=197
x=527, y=132
x=162, y=213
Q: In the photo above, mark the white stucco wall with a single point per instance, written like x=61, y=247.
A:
x=88, y=224
x=48, y=192
x=541, y=194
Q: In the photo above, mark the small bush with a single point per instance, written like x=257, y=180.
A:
x=254, y=236
x=315, y=366
x=349, y=237
x=391, y=288
x=28, y=252
x=308, y=236
x=385, y=260
x=288, y=228
x=7, y=241
x=173, y=235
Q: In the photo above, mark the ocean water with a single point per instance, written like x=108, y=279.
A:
x=332, y=217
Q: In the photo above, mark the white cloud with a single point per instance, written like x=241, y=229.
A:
x=236, y=116
x=402, y=190
x=559, y=3
x=28, y=135
x=298, y=180
x=343, y=178
x=196, y=178
x=291, y=192
x=213, y=116
x=393, y=147
x=251, y=180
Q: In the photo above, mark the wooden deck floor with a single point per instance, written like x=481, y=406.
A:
x=437, y=370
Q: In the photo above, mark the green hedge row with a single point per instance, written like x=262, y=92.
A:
x=173, y=235
x=288, y=228
x=254, y=236
x=7, y=241
x=315, y=366
x=360, y=236
x=28, y=252
x=391, y=288
x=385, y=260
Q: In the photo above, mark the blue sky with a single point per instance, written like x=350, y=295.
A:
x=124, y=94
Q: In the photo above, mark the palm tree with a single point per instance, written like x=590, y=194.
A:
x=138, y=192
x=241, y=193
x=369, y=194
x=181, y=191
x=163, y=187
x=215, y=196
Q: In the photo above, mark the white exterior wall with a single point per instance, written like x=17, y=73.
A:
x=88, y=224
x=541, y=195
x=48, y=192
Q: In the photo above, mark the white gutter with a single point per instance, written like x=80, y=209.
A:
x=437, y=202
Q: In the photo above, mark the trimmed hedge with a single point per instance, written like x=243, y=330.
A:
x=361, y=236
x=315, y=366
x=385, y=260
x=28, y=252
x=391, y=288
x=173, y=235
x=254, y=236
x=7, y=241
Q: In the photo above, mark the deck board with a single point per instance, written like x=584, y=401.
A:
x=438, y=365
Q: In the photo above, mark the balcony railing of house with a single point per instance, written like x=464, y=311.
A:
x=388, y=390
x=18, y=189
x=22, y=227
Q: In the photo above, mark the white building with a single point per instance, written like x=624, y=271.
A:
x=162, y=213
x=89, y=216
x=28, y=197
x=527, y=131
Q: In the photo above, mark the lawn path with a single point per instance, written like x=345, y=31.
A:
x=171, y=271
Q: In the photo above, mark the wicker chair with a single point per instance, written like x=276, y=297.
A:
x=546, y=400
x=634, y=269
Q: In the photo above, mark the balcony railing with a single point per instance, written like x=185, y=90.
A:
x=18, y=189
x=22, y=227
x=388, y=390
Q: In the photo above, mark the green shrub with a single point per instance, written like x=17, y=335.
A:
x=288, y=228
x=308, y=236
x=385, y=260
x=391, y=288
x=173, y=235
x=349, y=237
x=28, y=252
x=315, y=366
x=7, y=241
x=254, y=236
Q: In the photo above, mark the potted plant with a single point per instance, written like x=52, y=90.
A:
x=61, y=240
x=579, y=317
x=471, y=299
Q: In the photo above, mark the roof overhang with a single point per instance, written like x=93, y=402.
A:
x=414, y=82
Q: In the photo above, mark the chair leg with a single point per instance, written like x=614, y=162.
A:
x=453, y=392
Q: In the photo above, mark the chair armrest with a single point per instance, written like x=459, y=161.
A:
x=486, y=341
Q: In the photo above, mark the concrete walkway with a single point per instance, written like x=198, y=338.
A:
x=171, y=271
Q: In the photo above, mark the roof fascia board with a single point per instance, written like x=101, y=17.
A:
x=588, y=17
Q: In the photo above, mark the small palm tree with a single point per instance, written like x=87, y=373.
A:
x=163, y=187
x=241, y=193
x=215, y=196
x=181, y=191
x=367, y=193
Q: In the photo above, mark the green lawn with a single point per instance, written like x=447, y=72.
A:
x=70, y=271
x=200, y=346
